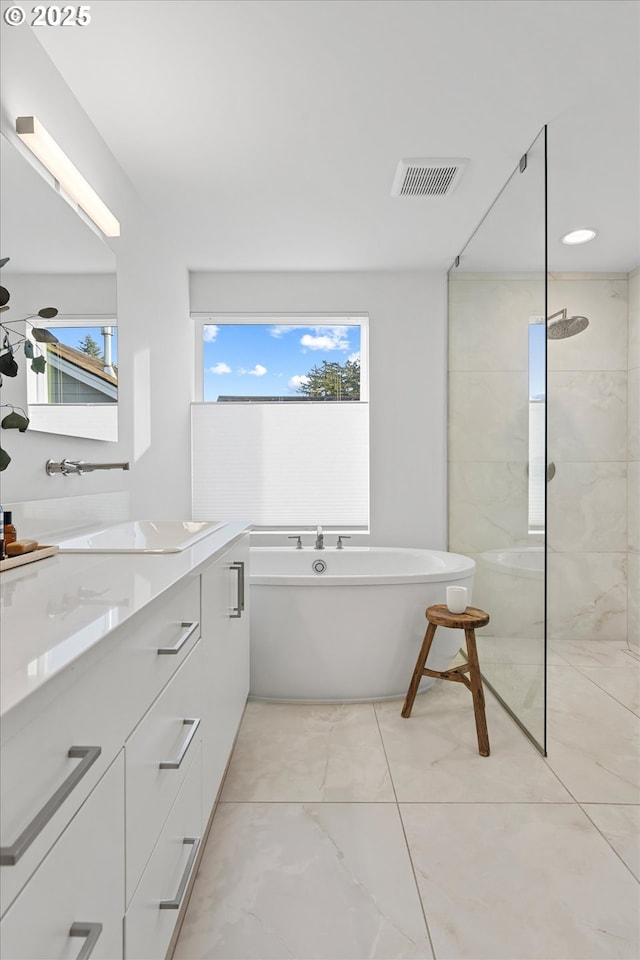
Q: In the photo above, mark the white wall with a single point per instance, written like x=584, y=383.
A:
x=407, y=377
x=156, y=345
x=633, y=497
x=155, y=335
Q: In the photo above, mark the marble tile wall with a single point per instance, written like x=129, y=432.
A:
x=587, y=529
x=488, y=409
x=592, y=435
x=488, y=477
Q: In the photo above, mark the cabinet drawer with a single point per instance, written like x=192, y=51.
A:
x=79, y=882
x=104, y=704
x=161, y=636
x=44, y=780
x=157, y=758
x=151, y=917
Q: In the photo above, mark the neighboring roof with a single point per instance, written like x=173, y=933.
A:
x=296, y=399
x=82, y=360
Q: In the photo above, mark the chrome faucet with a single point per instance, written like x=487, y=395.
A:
x=65, y=467
x=319, y=545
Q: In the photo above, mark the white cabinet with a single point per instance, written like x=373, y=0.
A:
x=225, y=612
x=152, y=914
x=92, y=721
x=157, y=757
x=74, y=900
x=108, y=785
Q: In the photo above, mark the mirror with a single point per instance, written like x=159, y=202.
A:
x=58, y=260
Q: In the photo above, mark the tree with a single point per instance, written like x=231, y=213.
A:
x=89, y=346
x=333, y=381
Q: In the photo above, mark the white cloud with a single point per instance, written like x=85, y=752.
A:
x=322, y=338
x=278, y=330
x=210, y=332
x=331, y=338
x=297, y=381
x=353, y=357
x=219, y=368
x=258, y=371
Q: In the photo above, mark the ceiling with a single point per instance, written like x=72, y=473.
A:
x=265, y=134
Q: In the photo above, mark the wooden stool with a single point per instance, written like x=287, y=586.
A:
x=440, y=616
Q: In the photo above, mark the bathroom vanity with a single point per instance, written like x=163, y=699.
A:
x=124, y=679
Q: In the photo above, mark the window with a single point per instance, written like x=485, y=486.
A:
x=281, y=437
x=537, y=426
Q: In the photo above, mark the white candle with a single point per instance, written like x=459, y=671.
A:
x=456, y=599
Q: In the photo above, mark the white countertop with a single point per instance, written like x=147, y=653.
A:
x=57, y=610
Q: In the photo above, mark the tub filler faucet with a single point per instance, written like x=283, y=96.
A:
x=67, y=467
x=319, y=544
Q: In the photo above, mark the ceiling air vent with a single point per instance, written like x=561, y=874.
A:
x=427, y=178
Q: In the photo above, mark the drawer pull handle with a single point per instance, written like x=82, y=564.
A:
x=10, y=855
x=175, y=903
x=175, y=764
x=89, y=930
x=238, y=566
x=188, y=629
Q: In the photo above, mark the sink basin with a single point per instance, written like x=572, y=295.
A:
x=142, y=536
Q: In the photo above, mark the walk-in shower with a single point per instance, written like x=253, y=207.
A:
x=498, y=318
x=560, y=326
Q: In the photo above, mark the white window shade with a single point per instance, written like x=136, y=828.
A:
x=281, y=464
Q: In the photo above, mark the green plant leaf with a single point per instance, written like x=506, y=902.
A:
x=15, y=421
x=5, y=459
x=4, y=296
x=43, y=336
x=48, y=313
x=8, y=366
x=38, y=364
x=28, y=350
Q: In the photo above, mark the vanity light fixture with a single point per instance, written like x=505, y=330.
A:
x=45, y=148
x=583, y=235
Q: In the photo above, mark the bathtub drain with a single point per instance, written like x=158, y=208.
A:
x=319, y=566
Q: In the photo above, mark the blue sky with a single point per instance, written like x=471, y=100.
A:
x=72, y=336
x=270, y=359
x=537, y=360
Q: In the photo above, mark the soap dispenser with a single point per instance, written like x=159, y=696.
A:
x=9, y=531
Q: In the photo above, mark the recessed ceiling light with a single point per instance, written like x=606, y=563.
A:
x=579, y=236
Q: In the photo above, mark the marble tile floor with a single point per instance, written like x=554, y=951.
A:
x=345, y=832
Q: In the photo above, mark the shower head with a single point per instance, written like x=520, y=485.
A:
x=560, y=326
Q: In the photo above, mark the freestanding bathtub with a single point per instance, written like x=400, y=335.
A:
x=346, y=625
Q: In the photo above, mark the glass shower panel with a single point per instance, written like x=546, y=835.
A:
x=497, y=435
